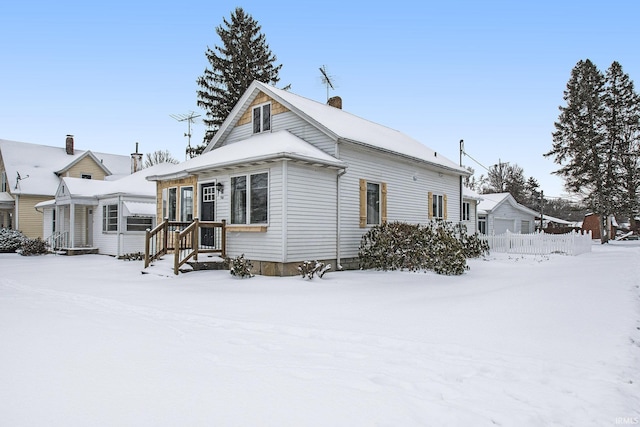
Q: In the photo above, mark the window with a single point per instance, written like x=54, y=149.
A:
x=110, y=218
x=482, y=224
x=186, y=203
x=437, y=206
x=466, y=213
x=139, y=223
x=373, y=203
x=209, y=194
x=172, y=204
x=252, y=202
x=85, y=176
x=3, y=182
x=262, y=118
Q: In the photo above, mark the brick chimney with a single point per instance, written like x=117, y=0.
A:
x=136, y=161
x=335, y=101
x=69, y=145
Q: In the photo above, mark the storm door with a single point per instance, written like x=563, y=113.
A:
x=208, y=197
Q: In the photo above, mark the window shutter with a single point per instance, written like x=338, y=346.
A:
x=363, y=203
x=430, y=202
x=444, y=208
x=383, y=207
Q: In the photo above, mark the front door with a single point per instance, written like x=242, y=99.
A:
x=89, y=225
x=207, y=213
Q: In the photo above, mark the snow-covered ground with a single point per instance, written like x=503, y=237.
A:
x=516, y=341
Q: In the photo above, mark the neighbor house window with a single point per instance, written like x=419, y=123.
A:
x=262, y=118
x=250, y=199
x=466, y=213
x=172, y=198
x=85, y=176
x=186, y=203
x=110, y=218
x=139, y=223
x=373, y=203
x=482, y=224
x=3, y=181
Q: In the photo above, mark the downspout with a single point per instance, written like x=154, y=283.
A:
x=16, y=219
x=285, y=222
x=338, y=210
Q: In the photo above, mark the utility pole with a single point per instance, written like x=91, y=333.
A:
x=541, y=209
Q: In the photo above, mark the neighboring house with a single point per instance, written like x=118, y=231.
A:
x=31, y=173
x=592, y=222
x=499, y=213
x=300, y=180
x=106, y=217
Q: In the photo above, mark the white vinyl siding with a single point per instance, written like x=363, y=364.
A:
x=311, y=214
x=407, y=187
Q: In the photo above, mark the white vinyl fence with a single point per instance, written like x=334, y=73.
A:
x=540, y=243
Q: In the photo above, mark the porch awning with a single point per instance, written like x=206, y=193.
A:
x=45, y=204
x=139, y=209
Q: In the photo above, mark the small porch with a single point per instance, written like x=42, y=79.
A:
x=186, y=240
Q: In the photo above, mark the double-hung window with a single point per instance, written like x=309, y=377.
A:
x=438, y=206
x=373, y=203
x=169, y=203
x=262, y=118
x=466, y=214
x=110, y=218
x=139, y=223
x=250, y=199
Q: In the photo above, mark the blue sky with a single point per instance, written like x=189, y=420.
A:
x=491, y=73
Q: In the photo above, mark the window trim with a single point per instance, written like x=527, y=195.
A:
x=175, y=209
x=183, y=204
x=466, y=211
x=107, y=218
x=247, y=202
x=437, y=206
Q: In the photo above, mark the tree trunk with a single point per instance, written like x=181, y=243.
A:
x=604, y=228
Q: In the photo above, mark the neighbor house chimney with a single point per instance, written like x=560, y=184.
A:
x=335, y=101
x=69, y=145
x=136, y=161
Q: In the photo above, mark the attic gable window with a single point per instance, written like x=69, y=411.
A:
x=262, y=118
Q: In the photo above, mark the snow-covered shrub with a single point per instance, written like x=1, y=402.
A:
x=309, y=268
x=435, y=246
x=11, y=240
x=472, y=244
x=35, y=246
x=240, y=267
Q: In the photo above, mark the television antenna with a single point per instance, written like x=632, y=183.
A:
x=326, y=79
x=189, y=118
x=19, y=178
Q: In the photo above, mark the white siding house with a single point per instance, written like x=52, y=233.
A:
x=331, y=177
x=106, y=217
x=499, y=213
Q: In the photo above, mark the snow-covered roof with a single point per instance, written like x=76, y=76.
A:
x=133, y=185
x=257, y=148
x=490, y=202
x=468, y=193
x=37, y=165
x=139, y=209
x=339, y=125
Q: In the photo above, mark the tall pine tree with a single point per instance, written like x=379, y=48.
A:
x=580, y=143
x=622, y=124
x=243, y=57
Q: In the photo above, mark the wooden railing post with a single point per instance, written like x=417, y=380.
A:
x=147, y=238
x=176, y=251
x=194, y=239
x=223, y=239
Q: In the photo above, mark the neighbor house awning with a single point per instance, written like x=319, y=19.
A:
x=139, y=209
x=6, y=200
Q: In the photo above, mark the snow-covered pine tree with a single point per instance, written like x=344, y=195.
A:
x=243, y=57
x=622, y=124
x=580, y=144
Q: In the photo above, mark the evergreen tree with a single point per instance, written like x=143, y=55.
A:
x=243, y=57
x=580, y=144
x=622, y=124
